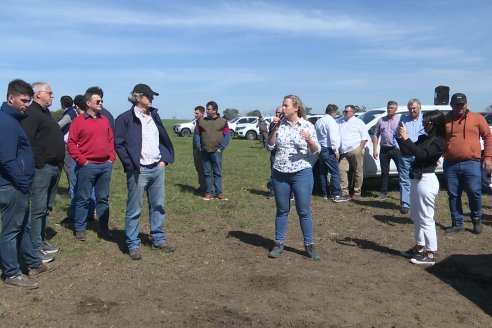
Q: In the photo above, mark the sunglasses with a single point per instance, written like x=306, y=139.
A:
x=99, y=102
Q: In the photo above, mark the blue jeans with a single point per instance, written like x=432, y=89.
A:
x=44, y=188
x=212, y=168
x=301, y=184
x=464, y=175
x=150, y=181
x=386, y=154
x=404, y=166
x=92, y=176
x=16, y=226
x=72, y=185
x=329, y=164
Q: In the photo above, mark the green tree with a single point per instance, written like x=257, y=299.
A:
x=230, y=113
x=255, y=112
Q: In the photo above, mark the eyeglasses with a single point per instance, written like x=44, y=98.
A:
x=50, y=93
x=347, y=111
x=98, y=102
x=278, y=113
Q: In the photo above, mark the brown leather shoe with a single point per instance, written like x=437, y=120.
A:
x=207, y=197
x=221, y=197
x=164, y=247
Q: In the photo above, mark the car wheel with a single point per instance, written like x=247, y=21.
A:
x=185, y=132
x=251, y=135
x=232, y=133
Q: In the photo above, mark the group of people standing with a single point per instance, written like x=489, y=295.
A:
x=415, y=142
x=85, y=142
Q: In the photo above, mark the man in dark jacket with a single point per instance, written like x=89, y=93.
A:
x=144, y=148
x=16, y=176
x=49, y=150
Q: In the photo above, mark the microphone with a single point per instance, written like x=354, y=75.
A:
x=280, y=118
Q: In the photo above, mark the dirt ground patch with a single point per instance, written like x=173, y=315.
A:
x=220, y=276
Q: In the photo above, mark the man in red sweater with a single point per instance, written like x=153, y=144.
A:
x=462, y=161
x=91, y=145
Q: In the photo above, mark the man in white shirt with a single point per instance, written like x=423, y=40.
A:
x=144, y=148
x=353, y=139
x=328, y=135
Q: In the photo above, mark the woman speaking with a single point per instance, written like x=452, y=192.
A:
x=294, y=139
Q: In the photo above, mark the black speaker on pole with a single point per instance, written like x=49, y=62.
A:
x=441, y=95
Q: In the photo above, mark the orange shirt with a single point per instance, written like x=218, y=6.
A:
x=463, y=137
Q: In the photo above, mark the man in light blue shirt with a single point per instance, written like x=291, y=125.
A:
x=328, y=134
x=413, y=124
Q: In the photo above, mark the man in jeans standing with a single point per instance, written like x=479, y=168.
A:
x=385, y=129
x=144, y=149
x=413, y=125
x=197, y=155
x=212, y=136
x=462, y=161
x=91, y=145
x=16, y=176
x=353, y=139
x=328, y=134
x=48, y=146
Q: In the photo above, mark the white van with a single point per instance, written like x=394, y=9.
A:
x=370, y=118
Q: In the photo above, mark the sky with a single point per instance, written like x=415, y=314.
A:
x=248, y=55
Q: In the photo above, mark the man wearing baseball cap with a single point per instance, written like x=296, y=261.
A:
x=144, y=148
x=462, y=161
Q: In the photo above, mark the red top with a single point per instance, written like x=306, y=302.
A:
x=90, y=139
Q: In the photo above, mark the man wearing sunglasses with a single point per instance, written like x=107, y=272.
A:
x=91, y=145
x=48, y=146
x=144, y=148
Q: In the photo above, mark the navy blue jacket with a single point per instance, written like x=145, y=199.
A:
x=16, y=156
x=128, y=139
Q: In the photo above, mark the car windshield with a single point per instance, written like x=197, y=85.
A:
x=369, y=116
x=234, y=120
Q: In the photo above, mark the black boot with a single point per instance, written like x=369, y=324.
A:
x=477, y=225
x=455, y=228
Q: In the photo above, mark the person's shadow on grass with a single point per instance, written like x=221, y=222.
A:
x=256, y=240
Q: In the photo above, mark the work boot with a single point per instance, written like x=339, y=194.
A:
x=277, y=251
x=455, y=228
x=477, y=225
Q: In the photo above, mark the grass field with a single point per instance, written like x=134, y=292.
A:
x=220, y=275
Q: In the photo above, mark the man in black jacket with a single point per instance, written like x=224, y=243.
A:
x=144, y=148
x=48, y=147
